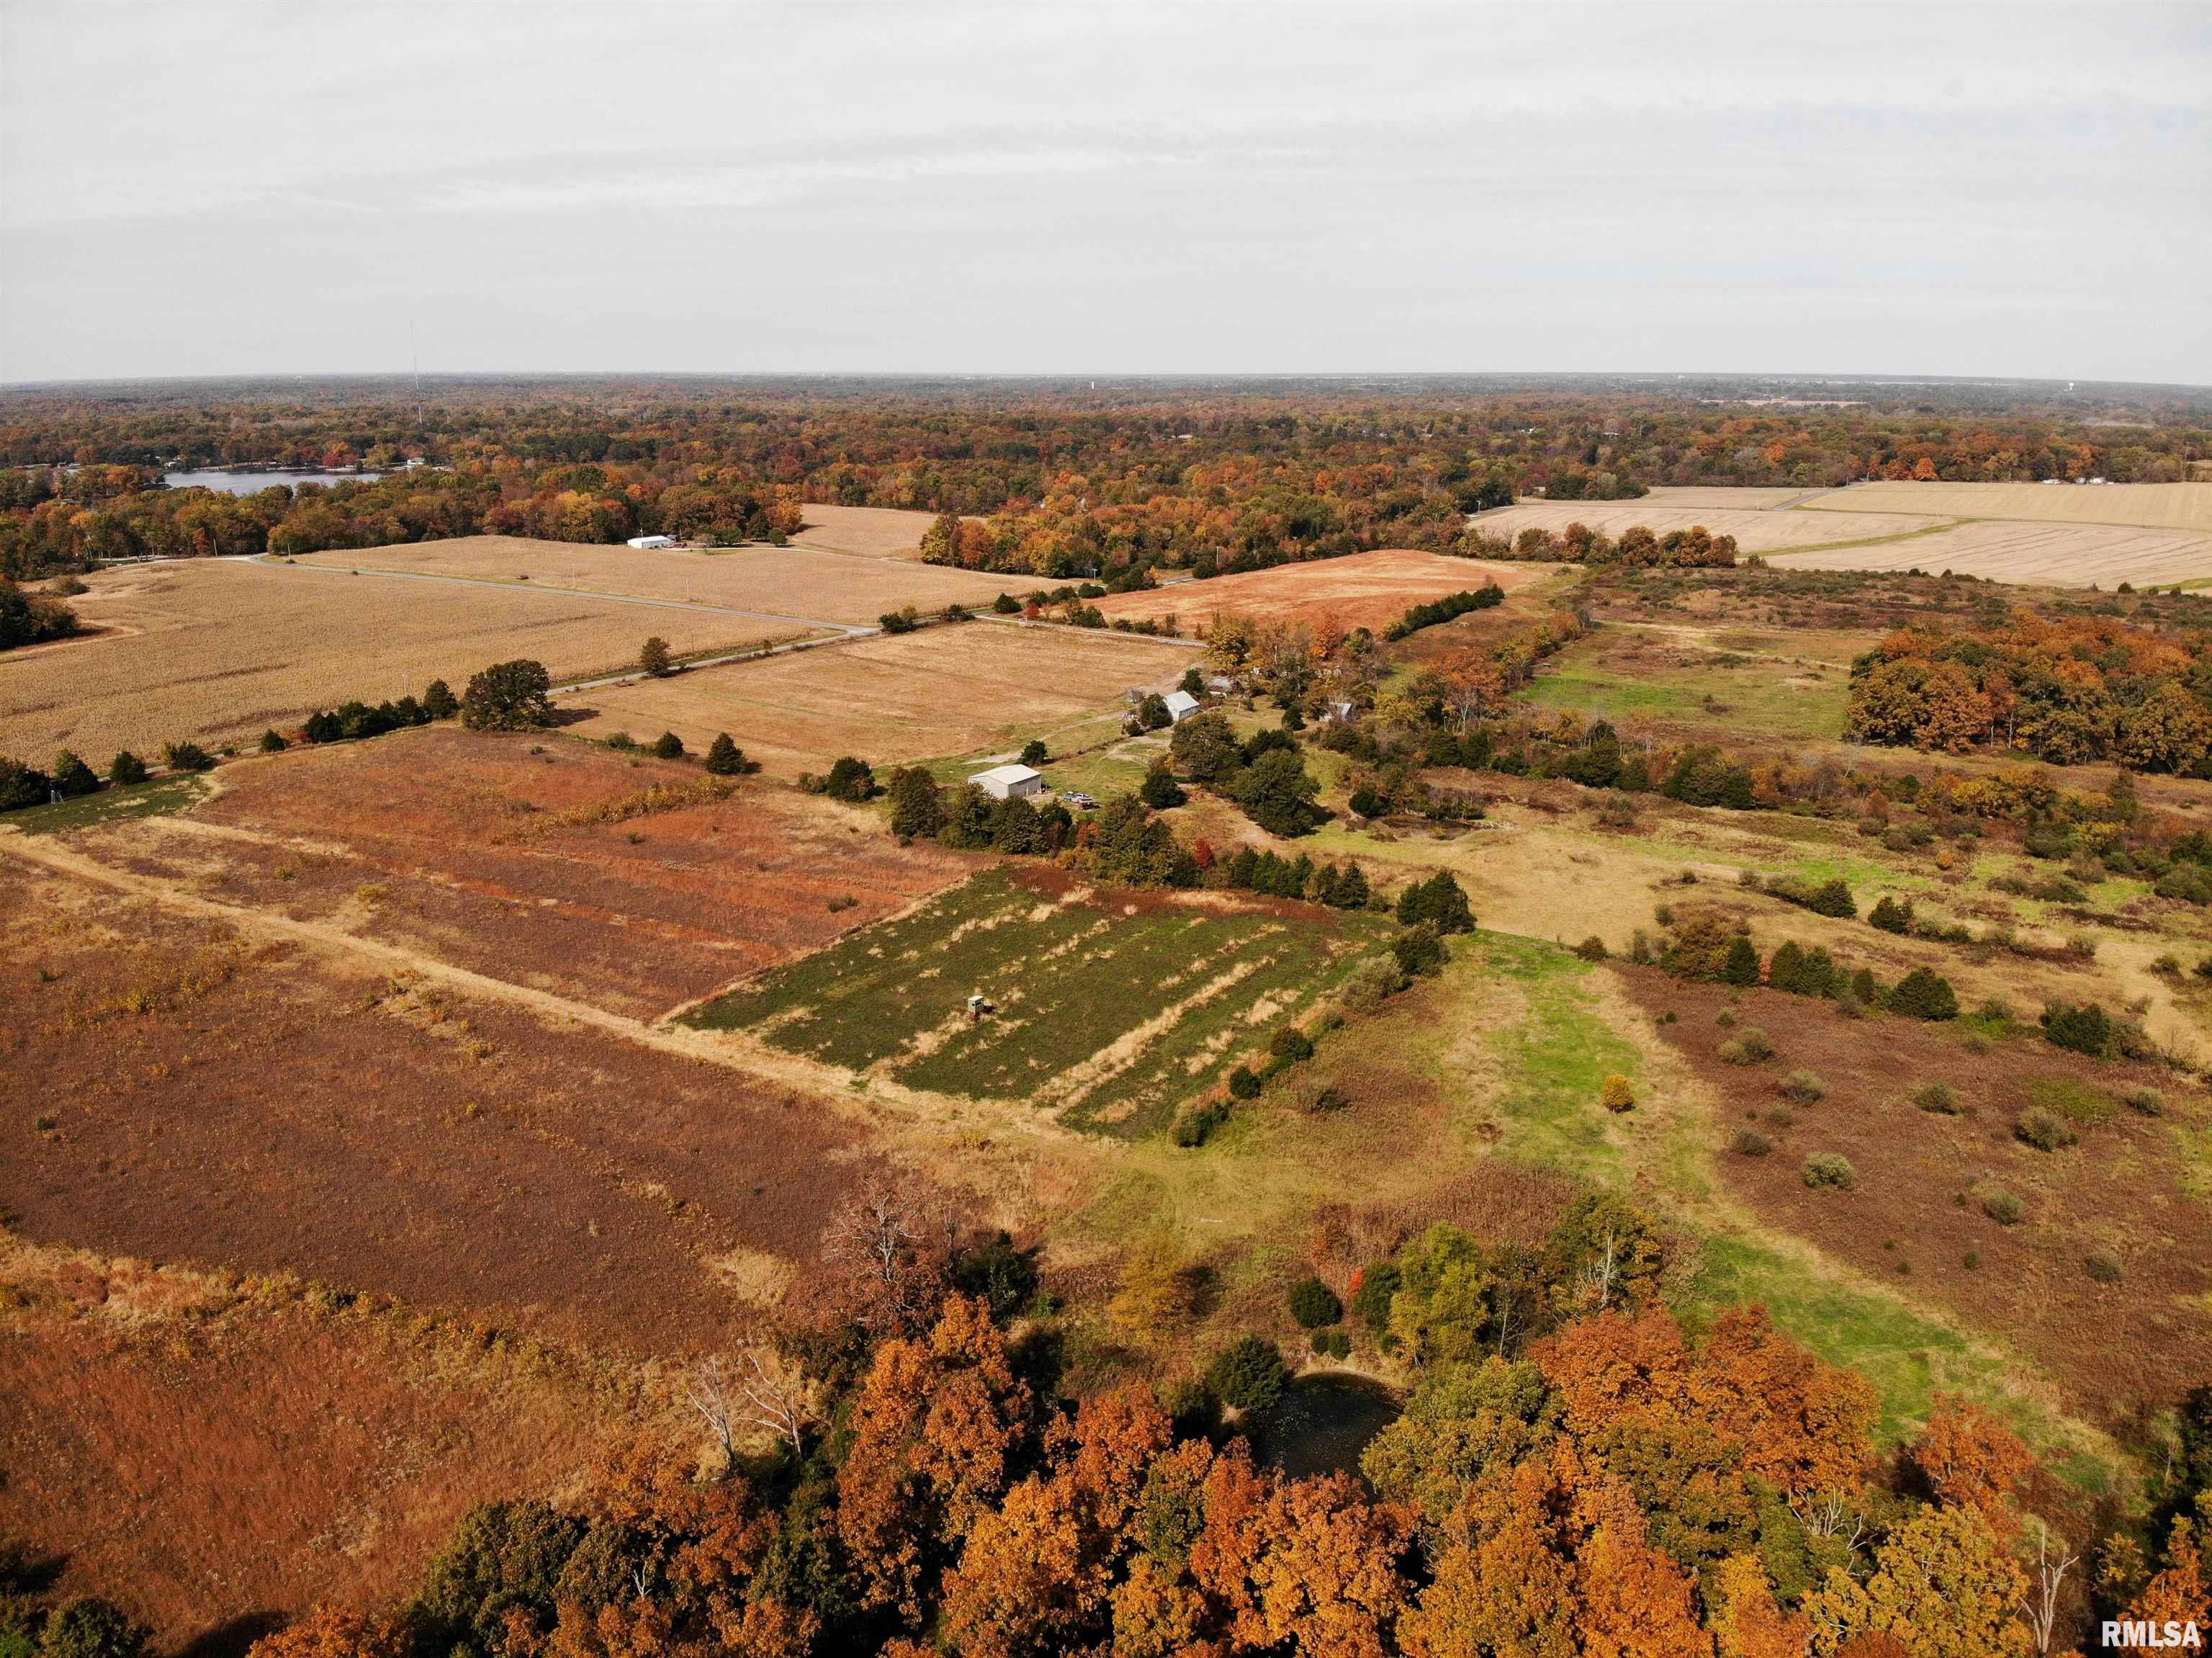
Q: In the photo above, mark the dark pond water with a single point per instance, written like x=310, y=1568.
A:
x=254, y=483
x=1323, y=1423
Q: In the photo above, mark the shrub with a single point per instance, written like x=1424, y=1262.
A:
x=652, y=657
x=272, y=741
x=1829, y=1168
x=723, y=758
x=1618, y=1094
x=2103, y=1265
x=439, y=702
x=2086, y=1028
x=125, y=769
x=1314, y=1304
x=1195, y=1126
x=1830, y=897
x=1420, y=951
x=1439, y=902
x=1371, y=986
x=1939, y=1098
x=1740, y=965
x=2149, y=1101
x=1924, y=994
x=1750, y=1143
x=1592, y=949
x=1372, y=1291
x=1243, y=1083
x=2044, y=1130
x=2003, y=1206
x=667, y=747
x=72, y=777
x=1733, y=1052
x=1034, y=753
x=1755, y=1044
x=90, y=1627
x=514, y=696
x=850, y=779
x=1290, y=1044
x=1247, y=1375
x=1317, y=1098
x=1892, y=916
x=186, y=756
x=1804, y=1087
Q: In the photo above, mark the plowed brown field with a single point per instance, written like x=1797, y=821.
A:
x=1365, y=589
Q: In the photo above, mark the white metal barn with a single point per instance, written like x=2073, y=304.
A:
x=1180, y=706
x=652, y=543
x=1010, y=782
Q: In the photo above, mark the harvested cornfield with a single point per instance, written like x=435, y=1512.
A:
x=2042, y=555
x=1756, y=529
x=795, y=583
x=1365, y=589
x=217, y=650
x=874, y=532
x=2147, y=506
x=893, y=698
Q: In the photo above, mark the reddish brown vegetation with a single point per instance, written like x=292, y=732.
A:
x=1917, y=1213
x=209, y=1102
x=468, y=846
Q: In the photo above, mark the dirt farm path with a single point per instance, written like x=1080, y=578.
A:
x=933, y=1115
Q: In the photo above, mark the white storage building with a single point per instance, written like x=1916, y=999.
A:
x=1010, y=782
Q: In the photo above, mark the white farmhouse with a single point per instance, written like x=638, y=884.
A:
x=652, y=543
x=1010, y=782
x=1180, y=706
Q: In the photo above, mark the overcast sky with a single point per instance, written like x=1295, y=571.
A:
x=194, y=189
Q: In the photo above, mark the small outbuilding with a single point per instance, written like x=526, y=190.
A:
x=1180, y=706
x=653, y=543
x=1010, y=782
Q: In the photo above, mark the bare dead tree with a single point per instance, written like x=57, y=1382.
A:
x=2039, y=1603
x=1826, y=1514
x=1599, y=1276
x=709, y=1395
x=881, y=1240
x=778, y=1398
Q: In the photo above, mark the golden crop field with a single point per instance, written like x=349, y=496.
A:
x=2055, y=555
x=2148, y=506
x=217, y=650
x=890, y=699
x=877, y=532
x=1756, y=529
x=1362, y=589
x=1709, y=496
x=793, y=580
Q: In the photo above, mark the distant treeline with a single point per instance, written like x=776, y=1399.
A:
x=1035, y=479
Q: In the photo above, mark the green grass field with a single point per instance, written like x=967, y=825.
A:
x=1112, y=1008
x=1756, y=693
x=143, y=800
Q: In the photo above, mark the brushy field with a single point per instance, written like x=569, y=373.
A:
x=628, y=883
x=894, y=698
x=871, y=532
x=1363, y=590
x=1770, y=682
x=211, y=1450
x=1918, y=1213
x=234, y=1103
x=792, y=581
x=1756, y=529
x=2150, y=506
x=218, y=650
x=1111, y=1008
x=2046, y=554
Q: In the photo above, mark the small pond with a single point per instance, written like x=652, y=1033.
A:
x=1323, y=1422
x=254, y=483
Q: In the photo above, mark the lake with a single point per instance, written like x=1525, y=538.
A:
x=254, y=483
